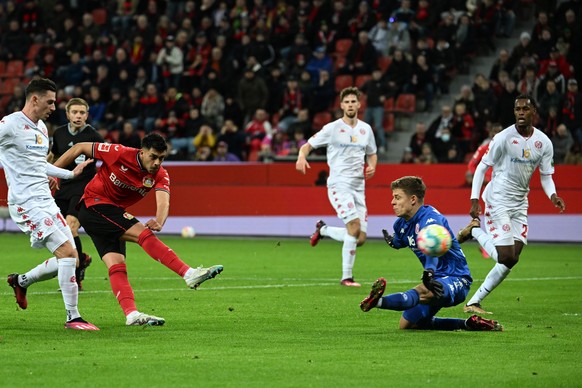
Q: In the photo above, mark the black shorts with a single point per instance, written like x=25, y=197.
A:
x=105, y=224
x=69, y=207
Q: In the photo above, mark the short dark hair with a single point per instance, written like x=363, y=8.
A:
x=348, y=91
x=40, y=86
x=155, y=141
x=527, y=97
x=411, y=185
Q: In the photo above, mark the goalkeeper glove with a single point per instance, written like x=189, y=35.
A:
x=429, y=282
x=388, y=238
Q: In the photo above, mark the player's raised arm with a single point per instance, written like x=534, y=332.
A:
x=76, y=150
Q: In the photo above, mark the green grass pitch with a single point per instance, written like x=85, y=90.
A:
x=277, y=317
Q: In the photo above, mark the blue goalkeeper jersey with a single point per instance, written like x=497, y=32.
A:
x=452, y=263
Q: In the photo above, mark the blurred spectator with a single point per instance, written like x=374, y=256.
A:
x=529, y=83
x=444, y=120
x=171, y=60
x=464, y=42
x=252, y=93
x=375, y=90
x=364, y=19
x=96, y=107
x=552, y=73
x=418, y=138
x=550, y=99
x=443, y=144
x=505, y=104
x=170, y=125
x=361, y=57
x=542, y=23
x=379, y=37
x=319, y=62
x=338, y=20
x=129, y=136
x=17, y=100
x=182, y=140
x=292, y=104
x=574, y=155
x=485, y=103
x=222, y=154
x=204, y=154
x=502, y=63
x=257, y=129
x=525, y=47
x=562, y=141
x=543, y=47
x=262, y=50
x=151, y=107
x=273, y=146
x=506, y=18
x=444, y=62
x=130, y=107
x=398, y=74
x=213, y=108
x=397, y=36
x=452, y=156
x=322, y=93
x=467, y=97
x=422, y=81
x=426, y=155
x=204, y=139
x=302, y=124
x=572, y=110
x=14, y=42
x=295, y=142
x=464, y=129
x=407, y=156
x=233, y=111
x=299, y=47
x=231, y=135
x=113, y=111
x=404, y=13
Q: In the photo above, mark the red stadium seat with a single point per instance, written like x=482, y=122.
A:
x=2, y=68
x=320, y=119
x=343, y=81
x=342, y=46
x=361, y=79
x=384, y=63
x=405, y=103
x=14, y=69
x=389, y=123
x=99, y=16
x=33, y=51
x=389, y=105
x=7, y=86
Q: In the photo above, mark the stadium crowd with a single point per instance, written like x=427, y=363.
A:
x=247, y=80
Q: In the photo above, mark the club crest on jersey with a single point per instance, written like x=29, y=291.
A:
x=148, y=182
x=526, y=153
x=128, y=216
x=48, y=222
x=362, y=131
x=538, y=145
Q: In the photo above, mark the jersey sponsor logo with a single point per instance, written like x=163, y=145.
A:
x=429, y=220
x=80, y=159
x=411, y=241
x=128, y=216
x=538, y=145
x=113, y=178
x=123, y=168
x=103, y=147
x=70, y=144
x=526, y=153
x=26, y=127
x=148, y=182
x=354, y=139
x=515, y=141
x=38, y=139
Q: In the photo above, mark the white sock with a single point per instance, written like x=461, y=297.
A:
x=486, y=241
x=68, y=286
x=493, y=279
x=348, y=256
x=48, y=269
x=338, y=234
x=188, y=273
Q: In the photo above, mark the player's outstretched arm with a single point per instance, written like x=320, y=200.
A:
x=302, y=165
x=388, y=238
x=76, y=150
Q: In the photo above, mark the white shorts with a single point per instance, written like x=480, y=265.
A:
x=506, y=225
x=44, y=224
x=349, y=205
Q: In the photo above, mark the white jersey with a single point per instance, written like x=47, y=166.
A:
x=514, y=159
x=24, y=147
x=346, y=151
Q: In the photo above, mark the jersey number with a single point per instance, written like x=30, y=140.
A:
x=524, y=232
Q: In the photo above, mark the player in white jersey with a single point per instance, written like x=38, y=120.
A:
x=514, y=154
x=24, y=145
x=350, y=144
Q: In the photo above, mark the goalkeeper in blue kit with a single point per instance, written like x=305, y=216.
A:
x=446, y=280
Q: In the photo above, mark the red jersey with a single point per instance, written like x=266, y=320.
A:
x=121, y=180
x=477, y=156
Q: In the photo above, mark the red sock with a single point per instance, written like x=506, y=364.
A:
x=121, y=288
x=161, y=252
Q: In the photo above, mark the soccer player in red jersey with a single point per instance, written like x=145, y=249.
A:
x=126, y=176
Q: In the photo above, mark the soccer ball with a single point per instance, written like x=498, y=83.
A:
x=434, y=240
x=188, y=232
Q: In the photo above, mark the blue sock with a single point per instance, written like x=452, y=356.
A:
x=447, y=324
x=400, y=301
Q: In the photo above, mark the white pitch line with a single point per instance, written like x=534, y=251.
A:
x=327, y=283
